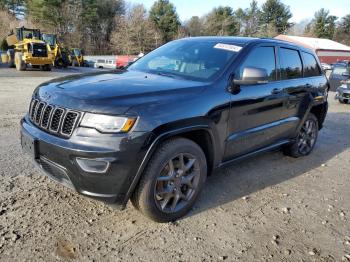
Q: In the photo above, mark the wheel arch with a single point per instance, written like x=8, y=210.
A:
x=200, y=134
x=317, y=104
x=320, y=111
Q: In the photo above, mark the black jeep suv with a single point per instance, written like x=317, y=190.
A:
x=153, y=131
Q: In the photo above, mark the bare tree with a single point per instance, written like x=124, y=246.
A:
x=7, y=22
x=135, y=32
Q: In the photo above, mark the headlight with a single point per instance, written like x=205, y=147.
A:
x=108, y=124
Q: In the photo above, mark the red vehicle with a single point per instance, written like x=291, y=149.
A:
x=124, y=60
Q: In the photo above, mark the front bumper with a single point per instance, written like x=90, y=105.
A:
x=57, y=158
x=342, y=94
x=38, y=60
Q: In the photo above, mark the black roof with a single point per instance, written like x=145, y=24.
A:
x=244, y=40
x=224, y=39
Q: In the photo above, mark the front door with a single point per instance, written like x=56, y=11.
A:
x=255, y=113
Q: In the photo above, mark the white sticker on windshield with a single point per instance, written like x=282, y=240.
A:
x=232, y=48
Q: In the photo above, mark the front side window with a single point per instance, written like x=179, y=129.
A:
x=261, y=57
x=193, y=60
x=291, y=66
x=311, y=67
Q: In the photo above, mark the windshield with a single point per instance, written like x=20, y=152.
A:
x=49, y=39
x=76, y=52
x=23, y=33
x=193, y=60
x=339, y=70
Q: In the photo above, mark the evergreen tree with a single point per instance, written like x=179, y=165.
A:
x=274, y=18
x=323, y=24
x=80, y=23
x=47, y=14
x=249, y=19
x=342, y=33
x=163, y=15
x=221, y=21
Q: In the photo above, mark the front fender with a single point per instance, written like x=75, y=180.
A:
x=165, y=132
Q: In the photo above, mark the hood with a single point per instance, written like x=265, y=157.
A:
x=115, y=92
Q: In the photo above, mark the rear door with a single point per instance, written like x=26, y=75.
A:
x=295, y=86
x=313, y=71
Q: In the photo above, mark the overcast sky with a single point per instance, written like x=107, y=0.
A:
x=301, y=9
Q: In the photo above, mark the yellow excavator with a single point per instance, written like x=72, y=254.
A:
x=76, y=57
x=60, y=54
x=28, y=48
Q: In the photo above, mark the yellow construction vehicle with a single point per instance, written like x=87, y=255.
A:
x=60, y=54
x=77, y=57
x=28, y=48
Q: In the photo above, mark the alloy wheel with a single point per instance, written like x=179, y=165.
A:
x=177, y=183
x=307, y=137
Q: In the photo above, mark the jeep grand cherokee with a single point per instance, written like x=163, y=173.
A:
x=153, y=131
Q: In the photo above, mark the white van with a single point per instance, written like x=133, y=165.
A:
x=105, y=63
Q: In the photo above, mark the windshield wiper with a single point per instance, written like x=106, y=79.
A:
x=165, y=74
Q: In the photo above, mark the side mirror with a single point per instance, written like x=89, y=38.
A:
x=253, y=76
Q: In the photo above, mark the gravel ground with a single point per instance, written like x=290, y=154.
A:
x=31, y=72
x=268, y=208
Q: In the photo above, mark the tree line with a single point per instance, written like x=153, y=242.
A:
x=116, y=27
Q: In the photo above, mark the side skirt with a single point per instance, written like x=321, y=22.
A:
x=259, y=151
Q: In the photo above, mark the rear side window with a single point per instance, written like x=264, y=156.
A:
x=311, y=67
x=261, y=57
x=291, y=66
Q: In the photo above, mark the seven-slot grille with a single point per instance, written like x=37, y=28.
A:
x=56, y=120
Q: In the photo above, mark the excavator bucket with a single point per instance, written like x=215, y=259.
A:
x=12, y=40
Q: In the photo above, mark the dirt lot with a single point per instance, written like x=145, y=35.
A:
x=11, y=72
x=269, y=208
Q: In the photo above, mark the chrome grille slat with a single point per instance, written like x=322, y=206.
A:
x=33, y=109
x=56, y=119
x=46, y=116
x=39, y=111
x=52, y=119
x=69, y=122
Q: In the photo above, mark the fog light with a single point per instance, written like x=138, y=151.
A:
x=93, y=165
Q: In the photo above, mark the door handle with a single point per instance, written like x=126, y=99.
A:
x=276, y=91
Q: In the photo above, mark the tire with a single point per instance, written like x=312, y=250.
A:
x=75, y=63
x=157, y=190
x=306, y=139
x=46, y=68
x=20, y=64
x=345, y=101
x=11, y=58
x=59, y=63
